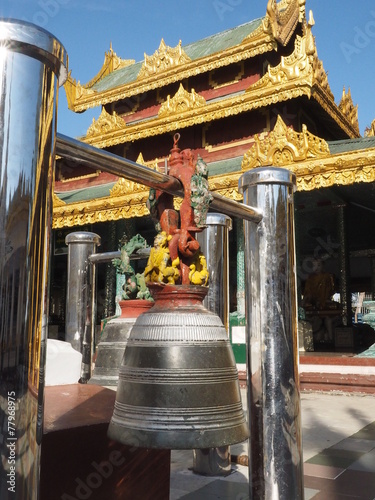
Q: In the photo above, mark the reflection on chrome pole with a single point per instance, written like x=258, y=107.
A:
x=275, y=445
x=214, y=243
x=81, y=297
x=32, y=65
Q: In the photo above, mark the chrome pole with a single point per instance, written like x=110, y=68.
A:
x=80, y=299
x=214, y=243
x=32, y=66
x=275, y=444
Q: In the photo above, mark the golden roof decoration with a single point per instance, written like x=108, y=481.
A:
x=282, y=18
x=370, y=131
x=163, y=59
x=283, y=146
x=105, y=123
x=125, y=187
x=56, y=201
x=180, y=102
x=301, y=65
x=349, y=110
x=75, y=91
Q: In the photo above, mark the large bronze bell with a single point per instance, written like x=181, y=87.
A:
x=178, y=383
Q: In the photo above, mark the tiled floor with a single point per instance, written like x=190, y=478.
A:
x=346, y=470
x=339, y=453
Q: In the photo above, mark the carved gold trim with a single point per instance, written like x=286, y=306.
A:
x=312, y=173
x=182, y=101
x=101, y=210
x=283, y=146
x=308, y=157
x=164, y=58
x=211, y=111
x=298, y=74
x=74, y=90
x=346, y=169
x=347, y=107
x=250, y=47
x=106, y=124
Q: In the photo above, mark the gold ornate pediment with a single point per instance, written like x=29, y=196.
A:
x=283, y=146
x=180, y=102
x=282, y=18
x=75, y=91
x=105, y=123
x=302, y=65
x=347, y=107
x=125, y=187
x=163, y=59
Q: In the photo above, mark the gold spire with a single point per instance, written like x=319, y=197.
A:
x=348, y=109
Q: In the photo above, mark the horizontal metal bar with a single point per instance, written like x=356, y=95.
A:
x=99, y=258
x=83, y=153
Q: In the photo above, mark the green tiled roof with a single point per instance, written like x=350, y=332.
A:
x=196, y=50
x=225, y=166
x=347, y=145
x=85, y=194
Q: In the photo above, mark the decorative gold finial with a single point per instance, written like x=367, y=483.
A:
x=163, y=59
x=180, y=102
x=283, y=146
x=349, y=110
x=283, y=17
x=105, y=123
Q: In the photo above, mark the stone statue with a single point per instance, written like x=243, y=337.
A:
x=135, y=285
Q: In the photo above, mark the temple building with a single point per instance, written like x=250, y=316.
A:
x=251, y=96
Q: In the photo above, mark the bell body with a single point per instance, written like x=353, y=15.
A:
x=111, y=347
x=178, y=383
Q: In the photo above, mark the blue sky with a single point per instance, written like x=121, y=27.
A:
x=344, y=31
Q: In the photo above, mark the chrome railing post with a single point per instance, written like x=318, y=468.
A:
x=32, y=66
x=275, y=444
x=214, y=243
x=81, y=296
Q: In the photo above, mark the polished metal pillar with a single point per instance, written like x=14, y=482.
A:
x=214, y=243
x=32, y=66
x=275, y=445
x=344, y=263
x=240, y=269
x=80, y=299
